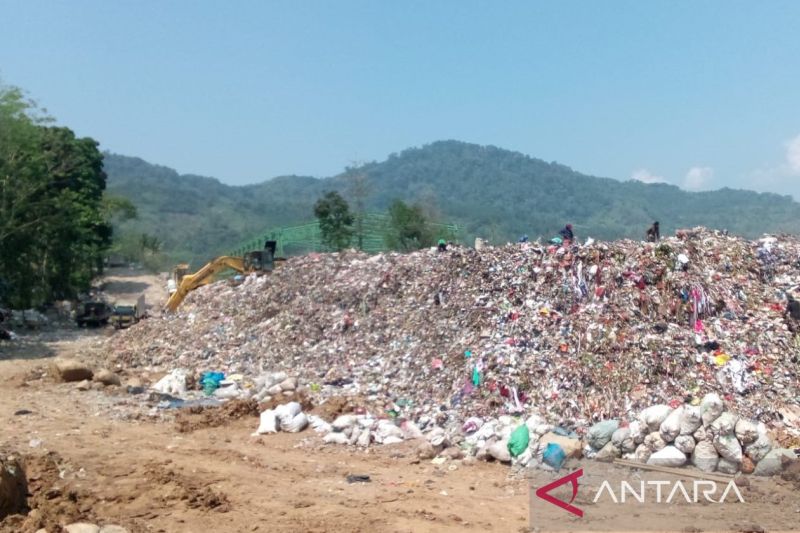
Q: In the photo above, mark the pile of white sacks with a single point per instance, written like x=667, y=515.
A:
x=703, y=435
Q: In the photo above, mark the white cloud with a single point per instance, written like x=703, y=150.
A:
x=793, y=154
x=645, y=176
x=698, y=178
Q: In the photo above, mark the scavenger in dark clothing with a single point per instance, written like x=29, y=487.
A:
x=653, y=233
x=792, y=308
x=566, y=233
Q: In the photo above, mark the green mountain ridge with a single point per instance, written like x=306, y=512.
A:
x=492, y=192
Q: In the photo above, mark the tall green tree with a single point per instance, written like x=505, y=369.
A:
x=409, y=228
x=53, y=228
x=335, y=220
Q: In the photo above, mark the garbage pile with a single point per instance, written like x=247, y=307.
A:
x=704, y=435
x=582, y=333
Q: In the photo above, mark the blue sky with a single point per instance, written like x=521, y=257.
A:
x=700, y=94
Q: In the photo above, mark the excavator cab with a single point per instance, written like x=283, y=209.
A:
x=261, y=260
x=180, y=270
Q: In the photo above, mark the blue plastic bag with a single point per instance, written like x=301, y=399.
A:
x=210, y=381
x=554, y=456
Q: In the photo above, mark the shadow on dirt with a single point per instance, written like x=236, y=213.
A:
x=25, y=348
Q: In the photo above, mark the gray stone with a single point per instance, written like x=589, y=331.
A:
x=84, y=385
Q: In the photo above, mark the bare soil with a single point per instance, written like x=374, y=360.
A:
x=101, y=456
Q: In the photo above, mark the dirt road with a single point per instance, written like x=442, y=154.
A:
x=104, y=455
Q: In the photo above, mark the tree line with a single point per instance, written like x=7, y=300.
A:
x=55, y=220
x=409, y=228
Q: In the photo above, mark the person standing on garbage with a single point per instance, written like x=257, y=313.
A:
x=792, y=312
x=442, y=245
x=653, y=233
x=566, y=234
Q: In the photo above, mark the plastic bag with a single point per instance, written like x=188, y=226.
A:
x=471, y=424
x=692, y=419
x=364, y=438
x=759, y=449
x=600, y=434
x=746, y=431
x=724, y=424
x=685, y=443
x=669, y=456
x=499, y=450
x=772, y=463
x=173, y=383
x=286, y=412
x=335, y=438
x=343, y=421
x=671, y=426
x=622, y=440
x=652, y=417
x=728, y=467
x=518, y=442
x=318, y=424
x=701, y=434
x=267, y=423
x=296, y=424
x=411, y=430
x=608, y=453
x=553, y=455
x=705, y=456
x=728, y=448
x=712, y=407
x=209, y=381
x=637, y=433
x=386, y=429
x=533, y=422
x=642, y=453
x=655, y=442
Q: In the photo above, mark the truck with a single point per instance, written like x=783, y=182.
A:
x=128, y=312
x=92, y=313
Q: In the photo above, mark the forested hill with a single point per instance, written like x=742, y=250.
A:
x=494, y=193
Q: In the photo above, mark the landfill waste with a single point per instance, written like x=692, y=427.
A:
x=210, y=381
x=609, y=331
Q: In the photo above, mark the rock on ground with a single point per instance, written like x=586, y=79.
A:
x=106, y=377
x=72, y=370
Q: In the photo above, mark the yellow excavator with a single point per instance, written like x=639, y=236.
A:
x=258, y=261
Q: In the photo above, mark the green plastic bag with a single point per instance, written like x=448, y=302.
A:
x=476, y=377
x=519, y=440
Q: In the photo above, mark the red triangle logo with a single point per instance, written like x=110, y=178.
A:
x=567, y=506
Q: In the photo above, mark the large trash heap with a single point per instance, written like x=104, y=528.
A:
x=576, y=335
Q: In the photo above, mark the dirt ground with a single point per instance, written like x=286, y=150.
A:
x=100, y=456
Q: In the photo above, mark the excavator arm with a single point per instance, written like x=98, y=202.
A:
x=192, y=281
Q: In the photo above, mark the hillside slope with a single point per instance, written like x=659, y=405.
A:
x=492, y=192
